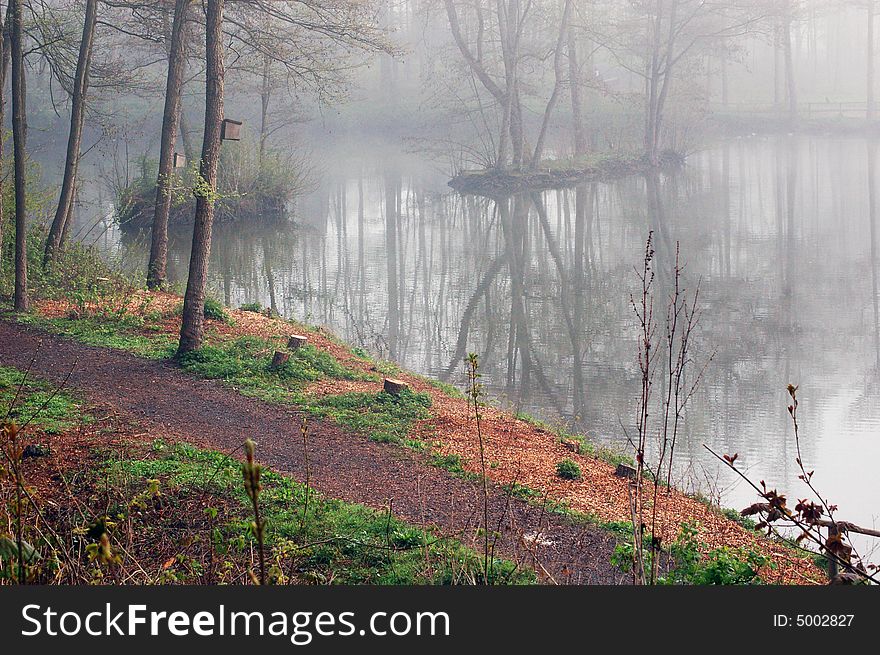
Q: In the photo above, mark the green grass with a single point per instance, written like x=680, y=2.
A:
x=382, y=416
x=444, y=387
x=337, y=542
x=35, y=404
x=245, y=364
x=452, y=463
x=119, y=334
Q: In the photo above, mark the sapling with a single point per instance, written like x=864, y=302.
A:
x=475, y=392
x=250, y=471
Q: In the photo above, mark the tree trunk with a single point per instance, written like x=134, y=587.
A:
x=58, y=230
x=4, y=69
x=157, y=268
x=296, y=341
x=192, y=329
x=189, y=148
x=265, y=95
x=19, y=133
x=724, y=82
x=574, y=76
x=394, y=387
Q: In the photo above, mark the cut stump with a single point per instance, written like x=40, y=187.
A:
x=624, y=471
x=279, y=359
x=296, y=341
x=395, y=387
x=573, y=446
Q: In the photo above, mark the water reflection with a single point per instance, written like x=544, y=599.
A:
x=780, y=231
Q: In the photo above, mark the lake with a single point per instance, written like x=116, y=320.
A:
x=778, y=232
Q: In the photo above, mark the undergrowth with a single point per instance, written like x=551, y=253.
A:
x=36, y=403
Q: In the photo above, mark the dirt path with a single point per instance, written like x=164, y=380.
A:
x=341, y=464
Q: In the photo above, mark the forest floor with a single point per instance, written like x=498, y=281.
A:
x=566, y=530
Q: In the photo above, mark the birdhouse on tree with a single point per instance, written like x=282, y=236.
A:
x=230, y=130
x=179, y=160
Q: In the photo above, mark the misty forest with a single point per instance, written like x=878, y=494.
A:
x=439, y=292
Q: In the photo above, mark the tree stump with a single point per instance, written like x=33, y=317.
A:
x=395, y=387
x=296, y=341
x=573, y=445
x=279, y=359
x=624, y=471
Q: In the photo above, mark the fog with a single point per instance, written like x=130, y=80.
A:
x=743, y=133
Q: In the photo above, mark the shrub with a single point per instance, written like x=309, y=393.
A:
x=252, y=307
x=568, y=469
x=720, y=566
x=215, y=311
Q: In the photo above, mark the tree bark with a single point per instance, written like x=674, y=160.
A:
x=58, y=230
x=19, y=133
x=265, y=96
x=574, y=76
x=4, y=69
x=192, y=329
x=157, y=268
x=394, y=387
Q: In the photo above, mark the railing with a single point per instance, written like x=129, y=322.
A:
x=805, y=109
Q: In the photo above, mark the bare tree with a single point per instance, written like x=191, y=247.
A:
x=59, y=226
x=509, y=19
x=653, y=39
x=559, y=79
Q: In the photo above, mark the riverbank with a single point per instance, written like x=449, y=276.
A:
x=433, y=427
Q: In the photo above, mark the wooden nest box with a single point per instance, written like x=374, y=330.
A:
x=179, y=160
x=230, y=130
